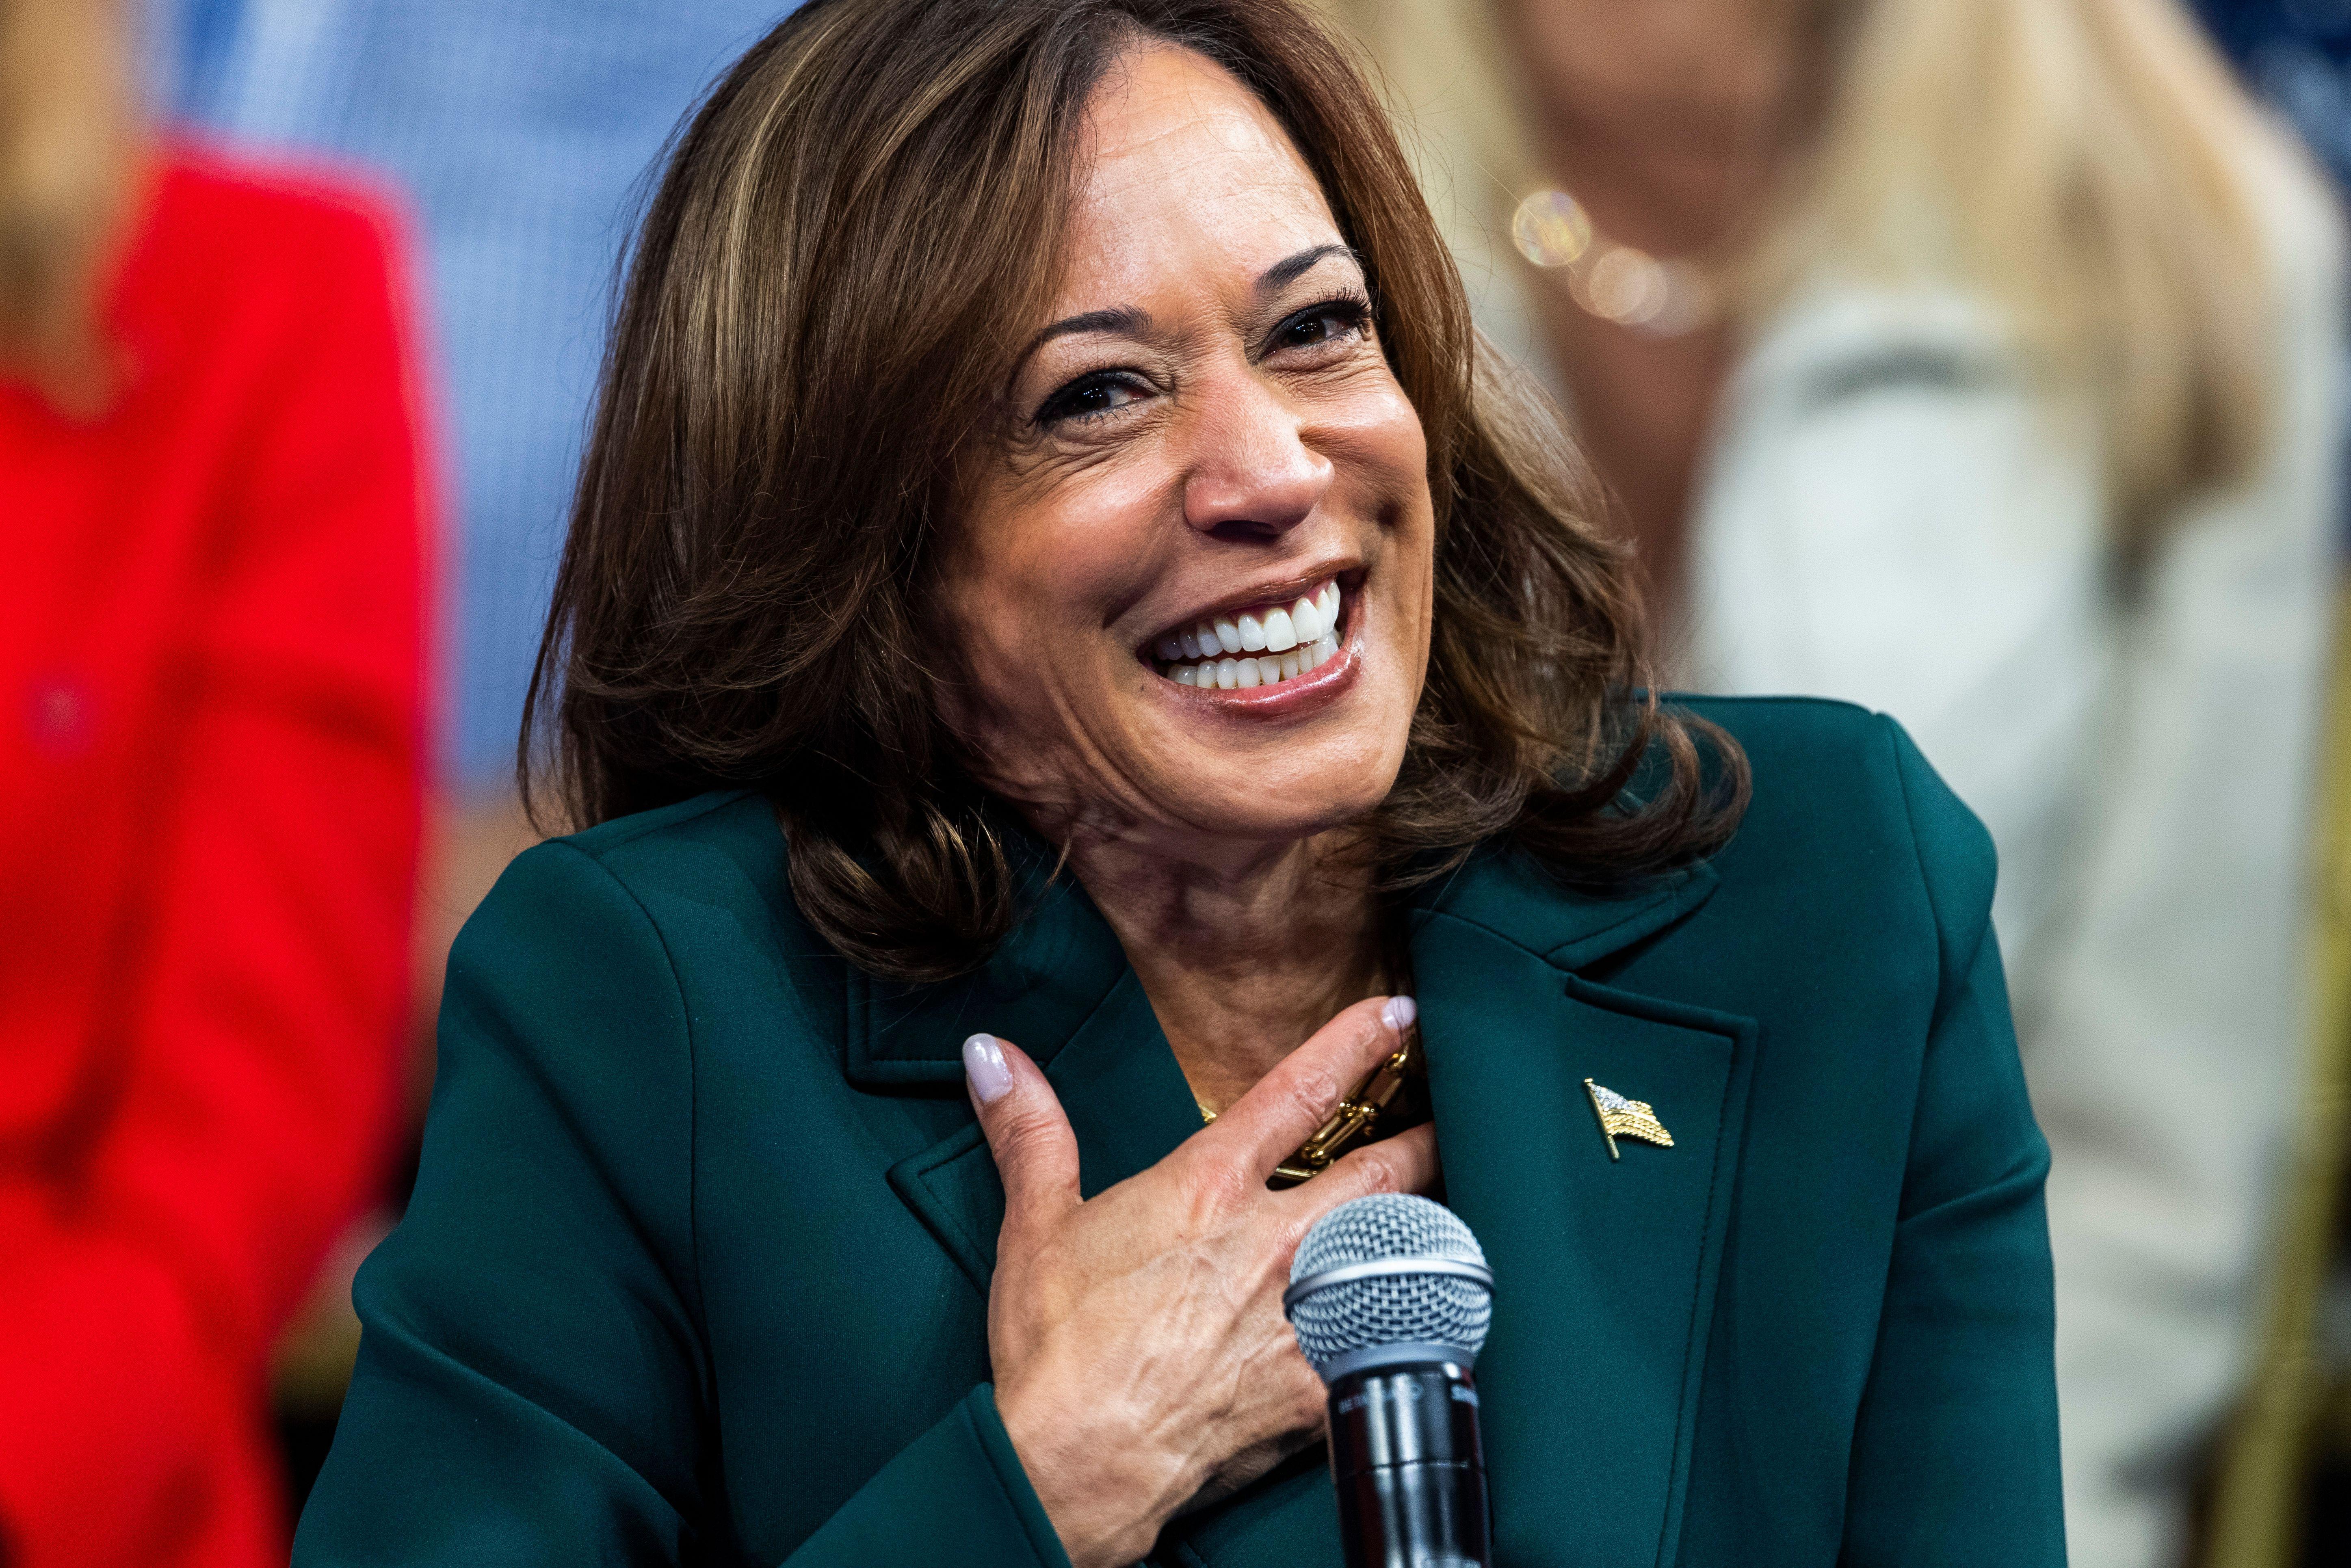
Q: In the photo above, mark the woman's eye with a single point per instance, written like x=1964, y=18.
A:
x=1331, y=321
x=1090, y=396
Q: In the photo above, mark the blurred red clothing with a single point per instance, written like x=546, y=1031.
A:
x=211, y=742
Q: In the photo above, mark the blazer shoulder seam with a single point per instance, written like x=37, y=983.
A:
x=602, y=839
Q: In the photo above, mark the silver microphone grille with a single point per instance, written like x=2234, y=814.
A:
x=1347, y=1319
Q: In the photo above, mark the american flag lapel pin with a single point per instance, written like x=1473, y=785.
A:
x=1623, y=1118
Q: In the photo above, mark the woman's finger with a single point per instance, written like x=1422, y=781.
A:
x=1405, y=1163
x=1276, y=1115
x=1028, y=1132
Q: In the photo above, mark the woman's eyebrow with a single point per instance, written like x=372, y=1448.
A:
x=1133, y=323
x=1290, y=269
x=1123, y=318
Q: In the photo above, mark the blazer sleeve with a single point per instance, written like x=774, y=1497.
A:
x=253, y=1029
x=1955, y=1448
x=534, y=1385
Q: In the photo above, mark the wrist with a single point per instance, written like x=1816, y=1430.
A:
x=1106, y=1494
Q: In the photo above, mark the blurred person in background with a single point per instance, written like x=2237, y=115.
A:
x=2283, y=1491
x=1978, y=361
x=211, y=750
x=2296, y=54
x=520, y=131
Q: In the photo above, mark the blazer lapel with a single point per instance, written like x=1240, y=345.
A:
x=1061, y=989
x=1604, y=1270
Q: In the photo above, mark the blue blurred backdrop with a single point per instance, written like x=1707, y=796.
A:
x=521, y=134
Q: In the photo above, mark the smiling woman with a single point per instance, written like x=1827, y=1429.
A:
x=906, y=321
x=1054, y=560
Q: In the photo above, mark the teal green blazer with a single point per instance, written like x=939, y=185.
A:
x=696, y=1267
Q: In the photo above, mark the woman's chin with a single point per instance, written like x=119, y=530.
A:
x=1293, y=790
x=1284, y=759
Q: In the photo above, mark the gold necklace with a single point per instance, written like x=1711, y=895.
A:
x=1616, y=282
x=1356, y=1121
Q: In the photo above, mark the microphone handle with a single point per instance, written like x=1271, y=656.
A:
x=1409, y=1467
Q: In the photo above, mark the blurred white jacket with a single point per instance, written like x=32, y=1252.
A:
x=1893, y=512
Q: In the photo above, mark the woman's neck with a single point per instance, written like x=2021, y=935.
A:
x=1243, y=955
x=1667, y=121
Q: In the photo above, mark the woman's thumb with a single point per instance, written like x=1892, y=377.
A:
x=1036, y=1153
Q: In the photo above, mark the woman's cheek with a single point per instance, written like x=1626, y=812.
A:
x=1377, y=437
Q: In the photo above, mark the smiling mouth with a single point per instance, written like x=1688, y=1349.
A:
x=1262, y=645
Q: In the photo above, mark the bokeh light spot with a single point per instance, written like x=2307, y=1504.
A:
x=1551, y=228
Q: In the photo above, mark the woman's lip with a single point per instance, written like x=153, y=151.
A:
x=1283, y=698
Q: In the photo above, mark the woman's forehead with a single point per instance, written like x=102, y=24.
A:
x=1182, y=166
x=1159, y=104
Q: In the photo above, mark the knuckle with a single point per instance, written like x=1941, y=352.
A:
x=1033, y=1149
x=1315, y=1091
x=1024, y=1139
x=1378, y=1172
x=1217, y=1189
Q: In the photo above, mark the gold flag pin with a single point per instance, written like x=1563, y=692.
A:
x=1623, y=1118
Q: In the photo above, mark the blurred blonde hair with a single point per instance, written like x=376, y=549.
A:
x=2089, y=165
x=68, y=158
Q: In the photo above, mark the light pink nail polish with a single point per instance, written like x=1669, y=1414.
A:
x=1399, y=1012
x=983, y=1064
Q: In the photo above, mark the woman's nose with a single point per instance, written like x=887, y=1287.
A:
x=1251, y=469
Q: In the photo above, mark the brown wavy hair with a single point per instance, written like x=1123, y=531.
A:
x=817, y=330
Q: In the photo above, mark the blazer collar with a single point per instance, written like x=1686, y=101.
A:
x=1506, y=892
x=1048, y=977
x=1060, y=966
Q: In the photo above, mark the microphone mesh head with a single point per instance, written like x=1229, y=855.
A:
x=1395, y=1309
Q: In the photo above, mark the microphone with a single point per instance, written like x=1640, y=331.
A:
x=1390, y=1297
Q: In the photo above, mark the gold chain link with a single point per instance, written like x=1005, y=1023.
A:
x=1353, y=1123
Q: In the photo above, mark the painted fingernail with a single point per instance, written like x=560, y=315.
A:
x=983, y=1064
x=1397, y=1013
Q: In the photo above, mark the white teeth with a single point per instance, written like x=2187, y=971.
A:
x=1274, y=631
x=1264, y=670
x=1293, y=641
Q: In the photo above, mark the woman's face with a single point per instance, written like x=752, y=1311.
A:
x=1192, y=592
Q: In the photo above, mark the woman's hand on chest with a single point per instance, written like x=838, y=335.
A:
x=1141, y=1355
